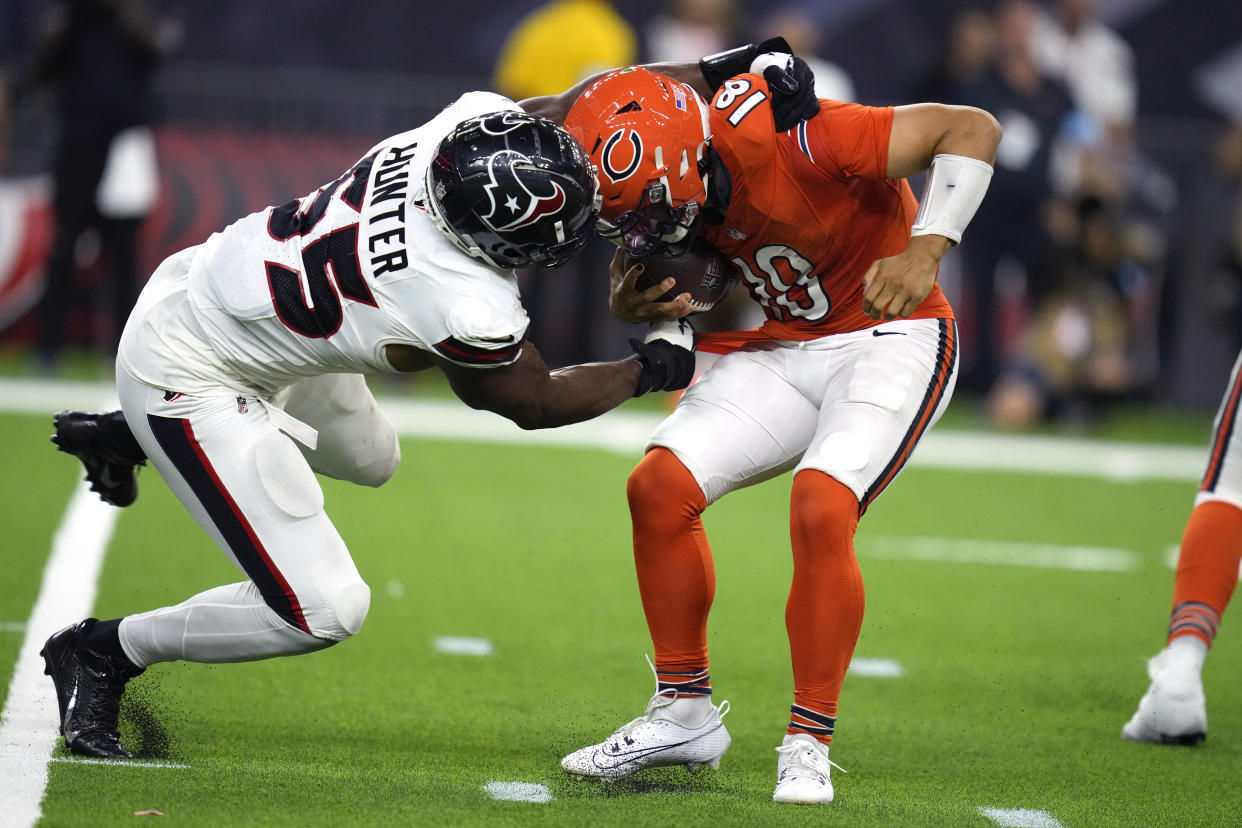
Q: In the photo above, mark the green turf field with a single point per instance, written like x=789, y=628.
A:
x=1016, y=679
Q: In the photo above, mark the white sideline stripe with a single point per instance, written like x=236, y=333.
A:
x=1174, y=553
x=876, y=667
x=28, y=725
x=12, y=626
x=1003, y=553
x=626, y=432
x=1021, y=817
x=124, y=763
x=518, y=791
x=457, y=645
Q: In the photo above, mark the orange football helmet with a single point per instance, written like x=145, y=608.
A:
x=646, y=134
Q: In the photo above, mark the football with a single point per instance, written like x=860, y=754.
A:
x=702, y=271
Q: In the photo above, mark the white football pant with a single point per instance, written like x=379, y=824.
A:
x=253, y=489
x=851, y=405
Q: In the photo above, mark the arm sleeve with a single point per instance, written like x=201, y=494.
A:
x=484, y=334
x=848, y=139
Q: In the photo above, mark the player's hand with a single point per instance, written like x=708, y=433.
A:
x=667, y=356
x=894, y=287
x=721, y=66
x=792, y=86
x=631, y=305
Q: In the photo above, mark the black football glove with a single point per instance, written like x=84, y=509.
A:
x=667, y=356
x=792, y=85
x=719, y=67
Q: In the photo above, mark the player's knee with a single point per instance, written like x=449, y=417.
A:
x=351, y=606
x=379, y=461
x=661, y=485
x=822, y=507
x=342, y=613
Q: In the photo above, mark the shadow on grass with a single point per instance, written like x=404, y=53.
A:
x=676, y=781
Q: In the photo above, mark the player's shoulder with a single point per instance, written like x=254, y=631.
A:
x=740, y=119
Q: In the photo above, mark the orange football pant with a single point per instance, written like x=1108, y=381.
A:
x=677, y=579
x=1207, y=569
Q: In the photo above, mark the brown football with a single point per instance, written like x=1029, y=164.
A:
x=702, y=271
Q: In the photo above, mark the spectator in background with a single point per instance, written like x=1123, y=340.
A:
x=559, y=44
x=689, y=29
x=1032, y=110
x=1094, y=62
x=554, y=47
x=801, y=32
x=100, y=56
x=967, y=62
x=1075, y=355
x=1229, y=162
x=4, y=118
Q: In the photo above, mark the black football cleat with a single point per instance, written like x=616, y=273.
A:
x=106, y=447
x=88, y=688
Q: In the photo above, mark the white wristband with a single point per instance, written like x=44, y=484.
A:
x=955, y=188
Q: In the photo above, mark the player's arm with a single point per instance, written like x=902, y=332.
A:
x=957, y=145
x=556, y=107
x=790, y=82
x=532, y=396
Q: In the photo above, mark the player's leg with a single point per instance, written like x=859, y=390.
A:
x=741, y=423
x=254, y=494
x=1174, y=709
x=882, y=396
x=356, y=442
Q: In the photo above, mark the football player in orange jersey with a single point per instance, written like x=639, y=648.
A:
x=856, y=360
x=1173, y=711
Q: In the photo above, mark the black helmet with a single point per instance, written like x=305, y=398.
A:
x=513, y=189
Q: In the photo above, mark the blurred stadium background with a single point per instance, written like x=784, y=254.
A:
x=1109, y=254
x=1112, y=262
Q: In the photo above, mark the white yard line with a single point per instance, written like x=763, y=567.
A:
x=626, y=432
x=28, y=725
x=1004, y=553
x=876, y=667
x=458, y=645
x=1021, y=817
x=518, y=791
x=124, y=763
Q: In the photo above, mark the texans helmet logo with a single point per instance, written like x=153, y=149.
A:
x=512, y=203
x=615, y=165
x=502, y=123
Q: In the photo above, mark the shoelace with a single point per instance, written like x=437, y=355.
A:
x=100, y=685
x=795, y=750
x=659, y=701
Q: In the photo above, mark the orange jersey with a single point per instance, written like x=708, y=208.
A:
x=811, y=209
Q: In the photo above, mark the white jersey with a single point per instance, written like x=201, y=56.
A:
x=322, y=284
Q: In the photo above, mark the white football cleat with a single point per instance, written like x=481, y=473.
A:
x=692, y=735
x=1173, y=711
x=803, y=773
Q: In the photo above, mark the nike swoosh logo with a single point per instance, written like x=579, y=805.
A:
x=106, y=479
x=616, y=760
x=888, y=333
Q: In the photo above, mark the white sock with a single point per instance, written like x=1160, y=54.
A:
x=1186, y=653
x=691, y=709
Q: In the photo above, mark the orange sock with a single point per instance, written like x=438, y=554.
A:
x=1207, y=569
x=824, y=613
x=676, y=576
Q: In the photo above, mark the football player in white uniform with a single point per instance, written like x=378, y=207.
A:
x=1173, y=711
x=240, y=377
